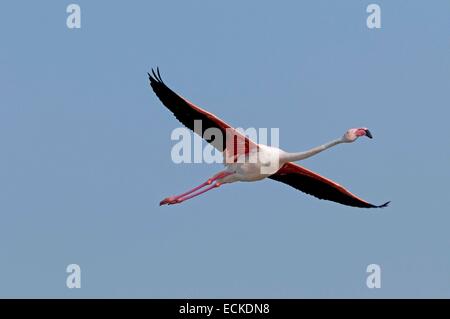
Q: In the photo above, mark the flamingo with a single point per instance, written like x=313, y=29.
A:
x=247, y=161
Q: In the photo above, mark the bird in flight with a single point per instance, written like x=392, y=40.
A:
x=247, y=161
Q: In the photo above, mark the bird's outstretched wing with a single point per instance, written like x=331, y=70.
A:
x=323, y=188
x=231, y=141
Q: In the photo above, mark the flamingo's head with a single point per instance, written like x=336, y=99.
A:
x=354, y=133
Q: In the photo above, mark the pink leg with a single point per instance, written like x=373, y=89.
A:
x=182, y=199
x=178, y=199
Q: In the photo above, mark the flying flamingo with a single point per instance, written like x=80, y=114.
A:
x=247, y=161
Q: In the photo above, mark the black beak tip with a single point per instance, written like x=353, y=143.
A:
x=368, y=134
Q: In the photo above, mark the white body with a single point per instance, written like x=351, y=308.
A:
x=255, y=165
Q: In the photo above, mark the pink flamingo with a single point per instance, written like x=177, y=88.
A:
x=247, y=161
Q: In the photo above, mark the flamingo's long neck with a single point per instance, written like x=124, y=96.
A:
x=292, y=157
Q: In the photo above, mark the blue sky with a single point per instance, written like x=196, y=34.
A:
x=86, y=146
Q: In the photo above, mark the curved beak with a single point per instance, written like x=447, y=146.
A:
x=368, y=134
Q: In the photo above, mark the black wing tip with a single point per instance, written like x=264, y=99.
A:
x=385, y=204
x=381, y=206
x=155, y=76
